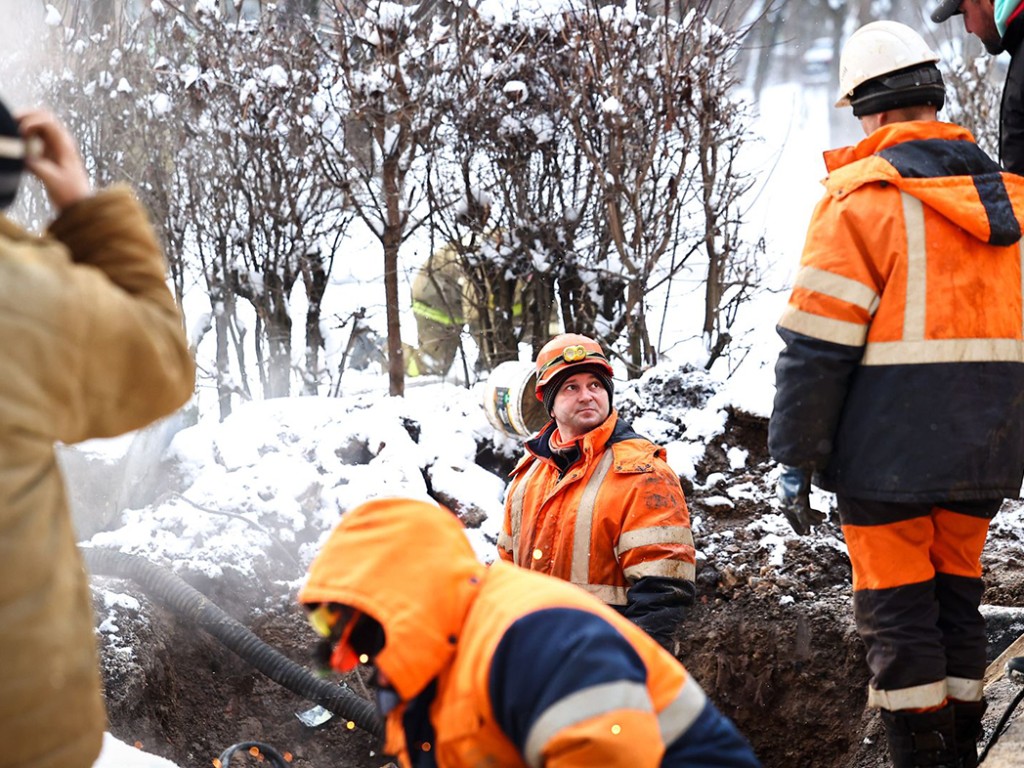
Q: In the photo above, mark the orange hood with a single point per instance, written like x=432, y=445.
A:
x=954, y=197
x=409, y=565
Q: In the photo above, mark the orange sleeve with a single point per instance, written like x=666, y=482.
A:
x=626, y=738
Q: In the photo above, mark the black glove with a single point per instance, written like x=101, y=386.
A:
x=793, y=490
x=658, y=605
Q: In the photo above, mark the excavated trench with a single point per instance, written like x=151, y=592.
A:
x=771, y=639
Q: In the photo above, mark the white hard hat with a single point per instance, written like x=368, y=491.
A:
x=877, y=49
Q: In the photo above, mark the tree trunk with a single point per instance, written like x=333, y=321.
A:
x=392, y=239
x=314, y=277
x=278, y=328
x=220, y=326
x=396, y=358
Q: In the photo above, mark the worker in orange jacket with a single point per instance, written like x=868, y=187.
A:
x=475, y=666
x=900, y=386
x=445, y=301
x=594, y=503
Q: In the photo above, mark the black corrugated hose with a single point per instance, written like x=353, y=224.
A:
x=1015, y=672
x=265, y=750
x=192, y=605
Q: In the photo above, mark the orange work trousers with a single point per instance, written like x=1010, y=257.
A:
x=916, y=591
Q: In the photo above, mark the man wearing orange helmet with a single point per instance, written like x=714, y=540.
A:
x=594, y=503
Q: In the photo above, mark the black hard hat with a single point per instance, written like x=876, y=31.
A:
x=945, y=9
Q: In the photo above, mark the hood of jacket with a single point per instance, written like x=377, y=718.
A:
x=939, y=164
x=410, y=566
x=1004, y=13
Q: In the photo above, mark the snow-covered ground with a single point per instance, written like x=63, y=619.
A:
x=276, y=467
x=117, y=754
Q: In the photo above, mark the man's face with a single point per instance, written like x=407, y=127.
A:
x=580, y=405
x=980, y=21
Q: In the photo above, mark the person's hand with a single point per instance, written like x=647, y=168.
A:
x=793, y=491
x=54, y=158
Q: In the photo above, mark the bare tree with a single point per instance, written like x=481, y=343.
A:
x=254, y=95
x=391, y=70
x=651, y=108
x=116, y=108
x=214, y=120
x=511, y=153
x=973, y=91
x=607, y=144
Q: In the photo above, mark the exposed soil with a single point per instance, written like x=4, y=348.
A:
x=771, y=639
x=188, y=698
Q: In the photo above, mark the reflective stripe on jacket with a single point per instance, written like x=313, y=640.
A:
x=902, y=375
x=613, y=517
x=558, y=678
x=437, y=291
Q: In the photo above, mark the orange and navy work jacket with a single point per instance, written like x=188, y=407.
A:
x=499, y=666
x=902, y=377
x=604, y=520
x=524, y=629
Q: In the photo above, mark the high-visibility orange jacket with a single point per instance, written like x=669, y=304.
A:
x=609, y=517
x=902, y=378
x=502, y=667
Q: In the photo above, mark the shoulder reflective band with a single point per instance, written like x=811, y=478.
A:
x=437, y=315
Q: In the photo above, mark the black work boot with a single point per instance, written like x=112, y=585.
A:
x=921, y=739
x=967, y=726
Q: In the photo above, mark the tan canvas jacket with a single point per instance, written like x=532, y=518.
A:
x=92, y=345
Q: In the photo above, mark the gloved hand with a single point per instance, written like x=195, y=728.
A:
x=793, y=490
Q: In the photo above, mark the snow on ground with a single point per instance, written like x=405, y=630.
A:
x=285, y=461
x=117, y=754
x=276, y=467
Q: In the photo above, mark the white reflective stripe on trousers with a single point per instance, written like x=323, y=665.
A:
x=915, y=697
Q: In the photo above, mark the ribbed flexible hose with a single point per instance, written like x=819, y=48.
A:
x=265, y=750
x=192, y=605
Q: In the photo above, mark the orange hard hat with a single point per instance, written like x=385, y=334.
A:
x=566, y=351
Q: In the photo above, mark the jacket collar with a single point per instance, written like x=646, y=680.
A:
x=892, y=134
x=1014, y=35
x=591, y=442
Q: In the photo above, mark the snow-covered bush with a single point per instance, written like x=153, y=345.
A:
x=599, y=142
